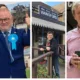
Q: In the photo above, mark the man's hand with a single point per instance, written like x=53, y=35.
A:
x=75, y=60
x=48, y=48
x=41, y=49
x=27, y=20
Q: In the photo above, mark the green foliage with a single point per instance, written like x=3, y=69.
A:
x=28, y=72
x=42, y=71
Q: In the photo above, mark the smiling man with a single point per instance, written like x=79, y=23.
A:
x=73, y=44
x=11, y=54
x=52, y=45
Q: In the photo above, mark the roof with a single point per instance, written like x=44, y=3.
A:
x=41, y=22
x=60, y=8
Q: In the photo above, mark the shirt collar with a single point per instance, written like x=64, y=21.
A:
x=8, y=31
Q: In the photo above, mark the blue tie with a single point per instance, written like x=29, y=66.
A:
x=8, y=45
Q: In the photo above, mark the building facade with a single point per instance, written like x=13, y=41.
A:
x=44, y=19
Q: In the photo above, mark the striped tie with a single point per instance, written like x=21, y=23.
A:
x=8, y=45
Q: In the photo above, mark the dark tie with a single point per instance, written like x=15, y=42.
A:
x=8, y=45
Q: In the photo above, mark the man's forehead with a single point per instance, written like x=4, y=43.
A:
x=78, y=7
x=4, y=13
x=50, y=34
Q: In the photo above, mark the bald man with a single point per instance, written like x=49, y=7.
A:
x=11, y=54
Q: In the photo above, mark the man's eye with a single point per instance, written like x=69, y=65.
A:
x=5, y=19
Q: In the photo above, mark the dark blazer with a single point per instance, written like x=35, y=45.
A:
x=15, y=69
x=53, y=46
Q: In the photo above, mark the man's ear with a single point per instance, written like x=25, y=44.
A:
x=12, y=18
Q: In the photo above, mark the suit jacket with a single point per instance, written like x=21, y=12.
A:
x=15, y=69
x=53, y=46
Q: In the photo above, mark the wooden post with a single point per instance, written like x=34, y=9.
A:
x=48, y=65
x=51, y=66
x=34, y=70
x=32, y=53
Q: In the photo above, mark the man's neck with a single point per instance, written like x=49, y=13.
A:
x=78, y=26
x=9, y=30
x=49, y=40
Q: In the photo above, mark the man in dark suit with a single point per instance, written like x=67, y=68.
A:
x=12, y=60
x=51, y=45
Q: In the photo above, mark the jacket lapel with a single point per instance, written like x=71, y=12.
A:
x=2, y=40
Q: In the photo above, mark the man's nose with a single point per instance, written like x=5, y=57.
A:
x=3, y=21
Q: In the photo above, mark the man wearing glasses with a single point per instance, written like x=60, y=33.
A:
x=12, y=43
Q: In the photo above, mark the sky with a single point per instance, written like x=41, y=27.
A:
x=11, y=5
x=52, y=3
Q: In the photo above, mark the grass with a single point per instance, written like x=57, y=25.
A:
x=62, y=62
x=28, y=72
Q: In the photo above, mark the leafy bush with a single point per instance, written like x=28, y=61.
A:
x=42, y=71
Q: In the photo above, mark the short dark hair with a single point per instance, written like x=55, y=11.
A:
x=3, y=5
x=50, y=32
